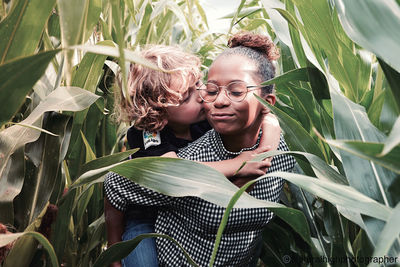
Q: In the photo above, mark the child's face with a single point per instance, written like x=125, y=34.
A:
x=189, y=111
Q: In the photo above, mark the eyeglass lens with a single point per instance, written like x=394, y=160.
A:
x=236, y=91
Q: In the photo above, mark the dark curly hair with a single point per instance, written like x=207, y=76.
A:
x=258, y=48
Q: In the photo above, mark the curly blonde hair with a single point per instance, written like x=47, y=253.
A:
x=150, y=91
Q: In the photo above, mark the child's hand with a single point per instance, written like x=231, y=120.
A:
x=269, y=141
x=250, y=170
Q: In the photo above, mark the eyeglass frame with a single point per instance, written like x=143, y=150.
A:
x=226, y=91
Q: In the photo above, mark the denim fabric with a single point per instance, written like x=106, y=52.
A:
x=145, y=254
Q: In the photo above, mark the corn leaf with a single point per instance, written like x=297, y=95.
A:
x=19, y=36
x=389, y=234
x=122, y=249
x=393, y=139
x=374, y=26
x=17, y=78
x=352, y=123
x=5, y=239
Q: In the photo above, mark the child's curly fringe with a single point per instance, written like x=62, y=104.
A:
x=151, y=91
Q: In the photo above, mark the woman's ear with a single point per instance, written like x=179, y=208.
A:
x=270, y=98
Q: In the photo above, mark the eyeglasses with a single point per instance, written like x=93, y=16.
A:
x=235, y=91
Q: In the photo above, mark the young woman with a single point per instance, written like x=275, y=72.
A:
x=166, y=109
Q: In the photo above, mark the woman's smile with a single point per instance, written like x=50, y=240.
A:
x=221, y=116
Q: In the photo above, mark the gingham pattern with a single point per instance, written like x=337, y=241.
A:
x=194, y=222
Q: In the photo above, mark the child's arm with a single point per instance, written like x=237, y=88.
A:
x=114, y=224
x=269, y=141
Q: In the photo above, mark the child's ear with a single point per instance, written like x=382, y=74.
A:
x=270, y=98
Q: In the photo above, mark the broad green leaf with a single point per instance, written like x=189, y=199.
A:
x=337, y=194
x=318, y=83
x=298, y=139
x=61, y=231
x=393, y=78
x=11, y=181
x=100, y=163
x=371, y=151
x=352, y=123
x=92, y=15
x=144, y=24
x=17, y=78
x=27, y=245
x=390, y=112
x=278, y=23
x=87, y=76
x=167, y=175
x=84, y=198
x=122, y=249
x=388, y=236
x=43, y=161
x=393, y=139
x=14, y=137
x=89, y=152
x=117, y=19
x=72, y=17
x=292, y=75
x=5, y=239
x=19, y=36
x=35, y=128
x=321, y=168
x=255, y=23
x=375, y=110
x=96, y=232
x=374, y=26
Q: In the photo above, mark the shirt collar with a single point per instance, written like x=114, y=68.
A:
x=224, y=153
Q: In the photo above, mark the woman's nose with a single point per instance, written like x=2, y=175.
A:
x=222, y=99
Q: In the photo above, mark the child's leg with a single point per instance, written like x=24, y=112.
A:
x=145, y=254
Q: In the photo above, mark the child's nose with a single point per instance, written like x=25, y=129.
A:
x=198, y=98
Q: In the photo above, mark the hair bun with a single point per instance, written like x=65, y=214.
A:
x=261, y=43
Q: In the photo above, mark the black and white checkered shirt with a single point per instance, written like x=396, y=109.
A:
x=194, y=222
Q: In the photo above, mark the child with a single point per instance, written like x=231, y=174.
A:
x=167, y=114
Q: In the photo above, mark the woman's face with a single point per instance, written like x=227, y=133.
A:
x=235, y=118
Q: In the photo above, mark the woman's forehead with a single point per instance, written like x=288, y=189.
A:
x=232, y=67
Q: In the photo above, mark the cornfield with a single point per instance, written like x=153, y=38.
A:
x=338, y=103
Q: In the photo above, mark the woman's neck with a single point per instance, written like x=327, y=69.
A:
x=237, y=142
x=181, y=131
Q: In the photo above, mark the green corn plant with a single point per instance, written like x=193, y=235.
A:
x=338, y=105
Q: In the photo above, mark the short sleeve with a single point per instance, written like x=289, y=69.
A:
x=122, y=192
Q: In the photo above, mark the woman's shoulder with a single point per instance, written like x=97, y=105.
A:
x=198, y=147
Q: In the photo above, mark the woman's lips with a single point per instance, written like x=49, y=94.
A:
x=221, y=116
